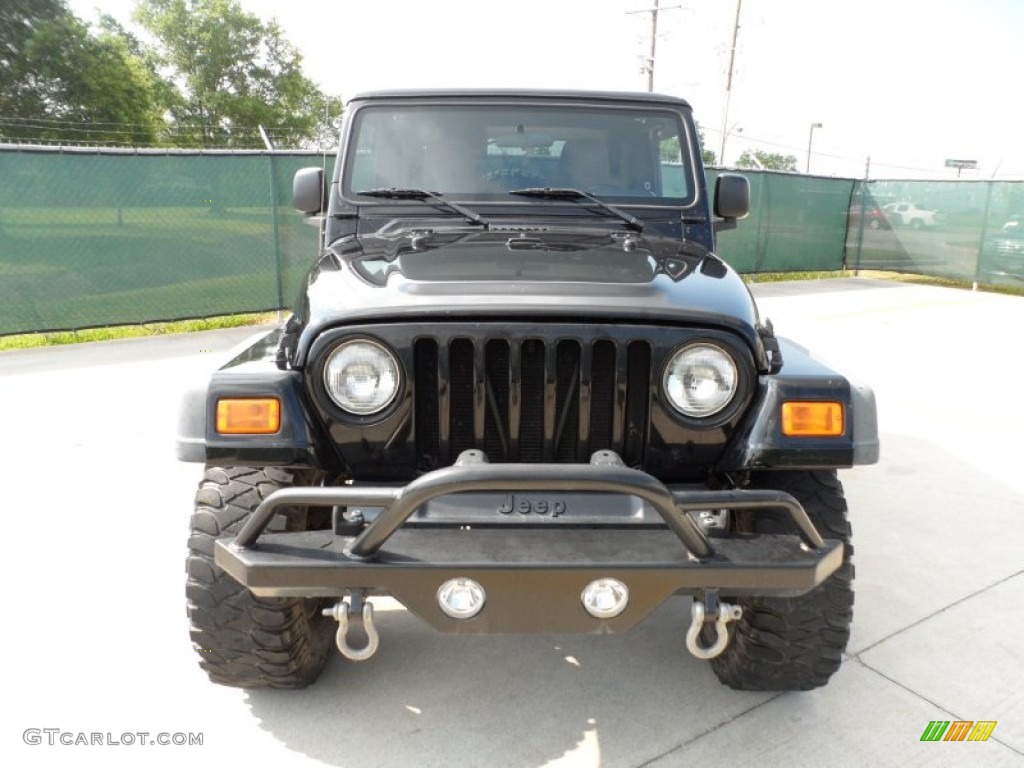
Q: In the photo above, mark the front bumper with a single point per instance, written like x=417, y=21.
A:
x=533, y=573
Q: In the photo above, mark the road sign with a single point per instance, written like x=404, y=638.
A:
x=971, y=164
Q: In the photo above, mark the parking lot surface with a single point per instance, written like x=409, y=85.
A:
x=96, y=637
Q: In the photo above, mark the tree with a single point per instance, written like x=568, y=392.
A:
x=60, y=82
x=231, y=74
x=18, y=22
x=766, y=161
x=707, y=155
x=670, y=149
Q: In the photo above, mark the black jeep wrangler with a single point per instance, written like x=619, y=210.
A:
x=520, y=393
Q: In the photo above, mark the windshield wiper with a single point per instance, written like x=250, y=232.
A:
x=412, y=193
x=567, y=193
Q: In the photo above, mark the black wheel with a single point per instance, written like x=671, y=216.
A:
x=916, y=224
x=242, y=640
x=794, y=644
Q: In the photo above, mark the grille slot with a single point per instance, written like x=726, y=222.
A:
x=427, y=404
x=462, y=407
x=530, y=400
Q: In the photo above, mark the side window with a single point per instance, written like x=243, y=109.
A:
x=673, y=175
x=363, y=175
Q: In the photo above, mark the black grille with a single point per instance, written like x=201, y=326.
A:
x=530, y=400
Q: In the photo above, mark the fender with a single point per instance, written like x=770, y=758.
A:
x=254, y=372
x=758, y=442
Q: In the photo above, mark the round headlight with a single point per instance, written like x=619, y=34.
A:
x=700, y=380
x=362, y=377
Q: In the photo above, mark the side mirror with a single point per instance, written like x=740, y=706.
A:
x=308, y=190
x=732, y=196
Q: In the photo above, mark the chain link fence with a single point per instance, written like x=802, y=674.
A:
x=99, y=237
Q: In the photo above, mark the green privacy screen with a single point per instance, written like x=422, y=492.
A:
x=91, y=238
x=967, y=230
x=796, y=223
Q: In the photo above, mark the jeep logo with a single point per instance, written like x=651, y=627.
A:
x=527, y=506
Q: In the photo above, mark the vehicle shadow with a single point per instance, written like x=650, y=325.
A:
x=429, y=699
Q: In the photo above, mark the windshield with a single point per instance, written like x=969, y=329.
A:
x=635, y=156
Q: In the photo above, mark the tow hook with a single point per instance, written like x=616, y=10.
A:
x=340, y=611
x=705, y=611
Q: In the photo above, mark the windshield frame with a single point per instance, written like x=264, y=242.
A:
x=678, y=112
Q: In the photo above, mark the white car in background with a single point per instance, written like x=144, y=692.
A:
x=909, y=215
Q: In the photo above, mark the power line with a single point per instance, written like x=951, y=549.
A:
x=75, y=126
x=831, y=155
x=240, y=136
x=61, y=121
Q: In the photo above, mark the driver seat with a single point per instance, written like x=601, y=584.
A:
x=585, y=164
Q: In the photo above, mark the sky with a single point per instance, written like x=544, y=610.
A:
x=906, y=83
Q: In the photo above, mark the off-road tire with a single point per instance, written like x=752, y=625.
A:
x=794, y=644
x=242, y=640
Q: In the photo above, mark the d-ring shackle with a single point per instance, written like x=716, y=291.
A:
x=726, y=613
x=340, y=612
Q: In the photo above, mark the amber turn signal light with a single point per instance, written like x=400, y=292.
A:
x=812, y=419
x=249, y=416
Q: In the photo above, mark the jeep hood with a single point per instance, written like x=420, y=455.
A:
x=527, y=273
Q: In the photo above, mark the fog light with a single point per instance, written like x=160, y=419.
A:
x=605, y=598
x=461, y=598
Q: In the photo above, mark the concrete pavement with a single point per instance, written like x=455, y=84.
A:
x=96, y=636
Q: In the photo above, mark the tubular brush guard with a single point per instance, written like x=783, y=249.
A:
x=533, y=574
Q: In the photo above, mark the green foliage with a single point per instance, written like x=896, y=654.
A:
x=707, y=155
x=670, y=149
x=766, y=161
x=59, y=82
x=208, y=75
x=231, y=73
x=18, y=20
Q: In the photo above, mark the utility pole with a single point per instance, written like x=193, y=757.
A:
x=648, y=65
x=654, y=42
x=728, y=81
x=810, y=141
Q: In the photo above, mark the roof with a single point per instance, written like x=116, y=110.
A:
x=535, y=94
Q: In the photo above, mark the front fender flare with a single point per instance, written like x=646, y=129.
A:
x=758, y=442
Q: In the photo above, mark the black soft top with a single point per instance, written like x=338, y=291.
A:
x=533, y=94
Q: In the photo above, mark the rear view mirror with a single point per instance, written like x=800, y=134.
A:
x=524, y=140
x=732, y=196
x=308, y=191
